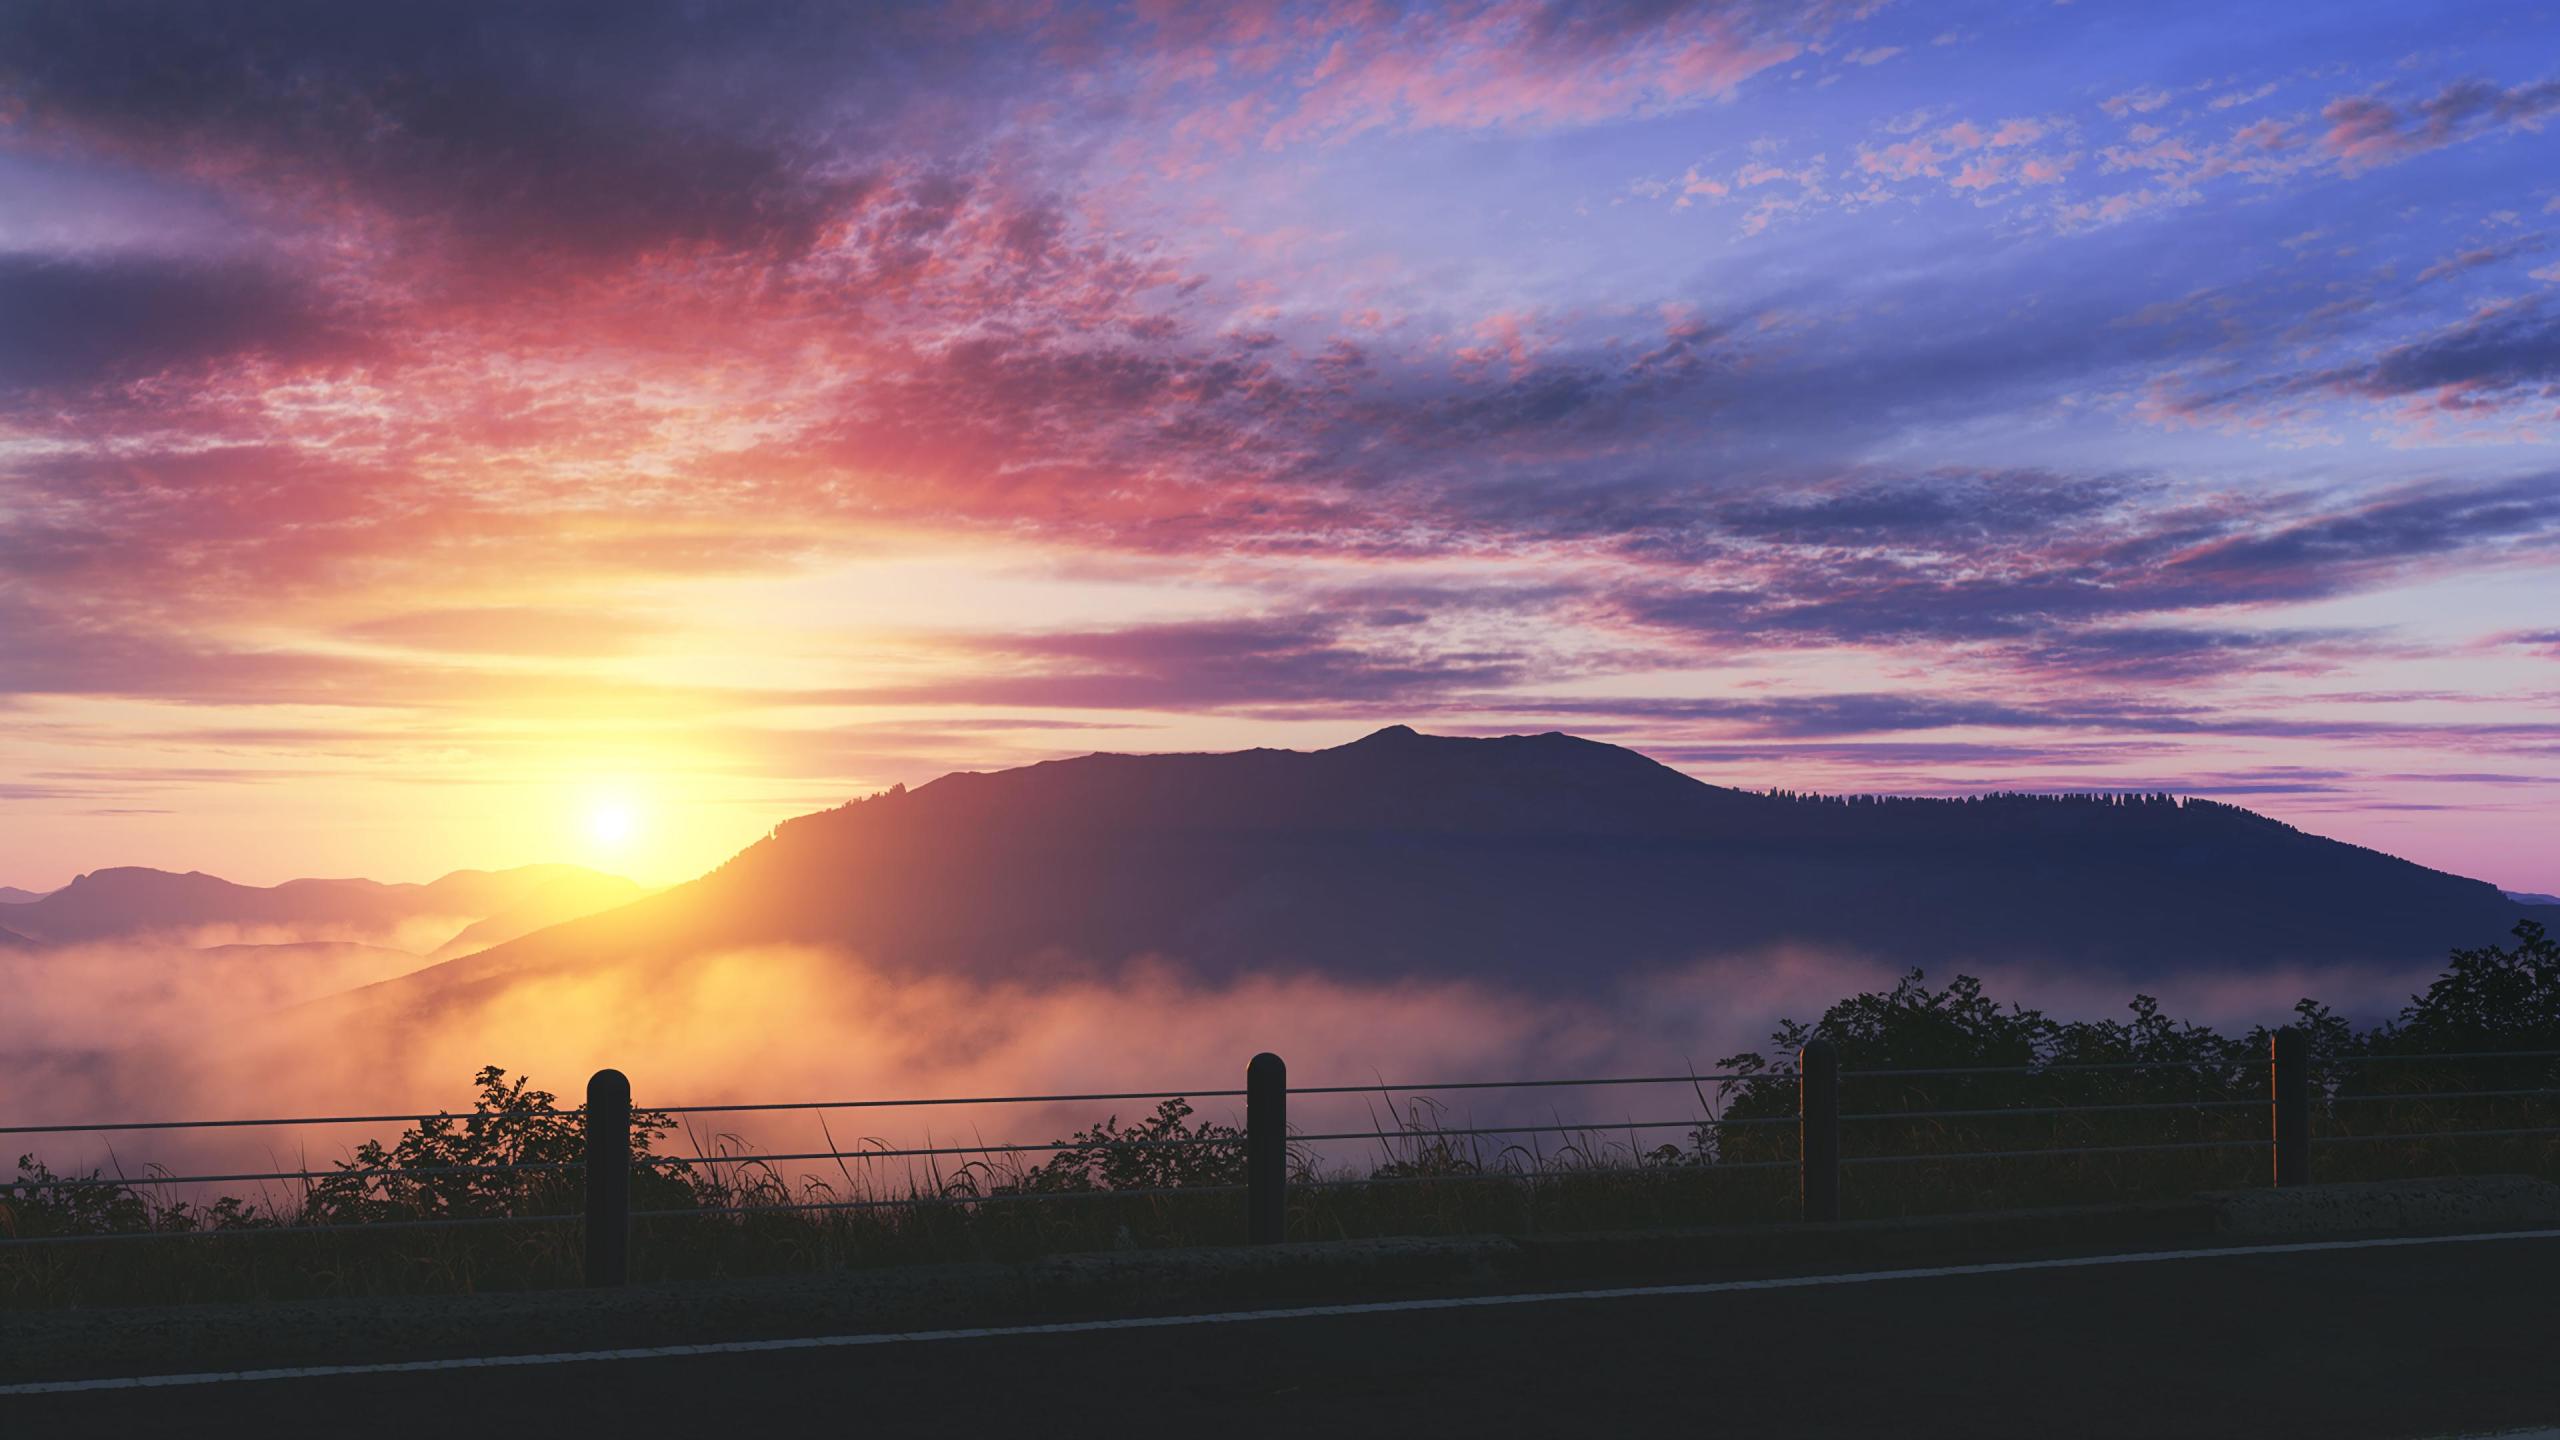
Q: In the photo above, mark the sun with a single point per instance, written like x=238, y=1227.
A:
x=613, y=824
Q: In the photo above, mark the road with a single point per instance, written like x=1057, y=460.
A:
x=2388, y=1341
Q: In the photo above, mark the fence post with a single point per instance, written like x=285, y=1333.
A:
x=1818, y=1130
x=1266, y=1149
x=608, y=1178
x=2289, y=1084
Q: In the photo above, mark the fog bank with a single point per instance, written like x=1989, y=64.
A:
x=144, y=1034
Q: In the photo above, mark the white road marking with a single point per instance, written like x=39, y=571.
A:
x=1240, y=1317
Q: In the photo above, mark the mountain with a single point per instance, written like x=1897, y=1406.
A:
x=12, y=940
x=131, y=901
x=580, y=892
x=2527, y=897
x=310, y=952
x=1543, y=860
x=12, y=895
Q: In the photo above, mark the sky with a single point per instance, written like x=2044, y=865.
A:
x=468, y=435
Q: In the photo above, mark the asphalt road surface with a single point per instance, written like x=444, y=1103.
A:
x=2391, y=1341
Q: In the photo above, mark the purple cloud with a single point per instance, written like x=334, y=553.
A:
x=2368, y=130
x=77, y=321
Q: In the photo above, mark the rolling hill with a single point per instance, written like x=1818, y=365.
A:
x=1540, y=860
x=129, y=902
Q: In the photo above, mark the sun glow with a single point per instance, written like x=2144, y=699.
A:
x=613, y=824
x=656, y=816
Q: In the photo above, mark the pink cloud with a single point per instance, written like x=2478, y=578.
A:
x=2236, y=98
x=1515, y=66
x=1979, y=154
x=1905, y=159
x=2140, y=101
x=2171, y=153
x=2045, y=169
x=1504, y=336
x=1755, y=175
x=2366, y=131
x=1981, y=174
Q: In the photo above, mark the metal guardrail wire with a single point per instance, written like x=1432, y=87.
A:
x=1520, y=1084
x=1027, y=1148
x=2042, y=1151
x=1658, y=1172
x=470, y=1116
x=234, y=1232
x=386, y=1173
x=467, y=1117
x=1997, y=1112
x=2071, y=1067
x=2440, y=1095
x=1596, y=1127
x=1374, y=1087
x=2100, y=1066
x=2435, y=1135
x=945, y=1100
x=910, y=1202
x=1233, y=1141
x=2445, y=1055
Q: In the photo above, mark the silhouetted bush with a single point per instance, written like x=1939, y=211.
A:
x=515, y=1152
x=1163, y=1151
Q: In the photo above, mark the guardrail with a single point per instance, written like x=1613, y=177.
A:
x=607, y=1160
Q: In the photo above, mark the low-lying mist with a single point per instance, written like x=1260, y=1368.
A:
x=150, y=1034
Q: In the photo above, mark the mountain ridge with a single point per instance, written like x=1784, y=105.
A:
x=123, y=901
x=1540, y=859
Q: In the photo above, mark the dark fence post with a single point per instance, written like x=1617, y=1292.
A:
x=608, y=1178
x=1818, y=1130
x=1266, y=1149
x=2289, y=1081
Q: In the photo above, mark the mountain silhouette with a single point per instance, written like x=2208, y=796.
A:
x=290, y=951
x=131, y=901
x=12, y=895
x=568, y=895
x=1542, y=860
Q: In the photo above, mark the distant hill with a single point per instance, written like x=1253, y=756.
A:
x=1542, y=859
x=581, y=892
x=12, y=895
x=12, y=940
x=303, y=951
x=131, y=901
x=2528, y=897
